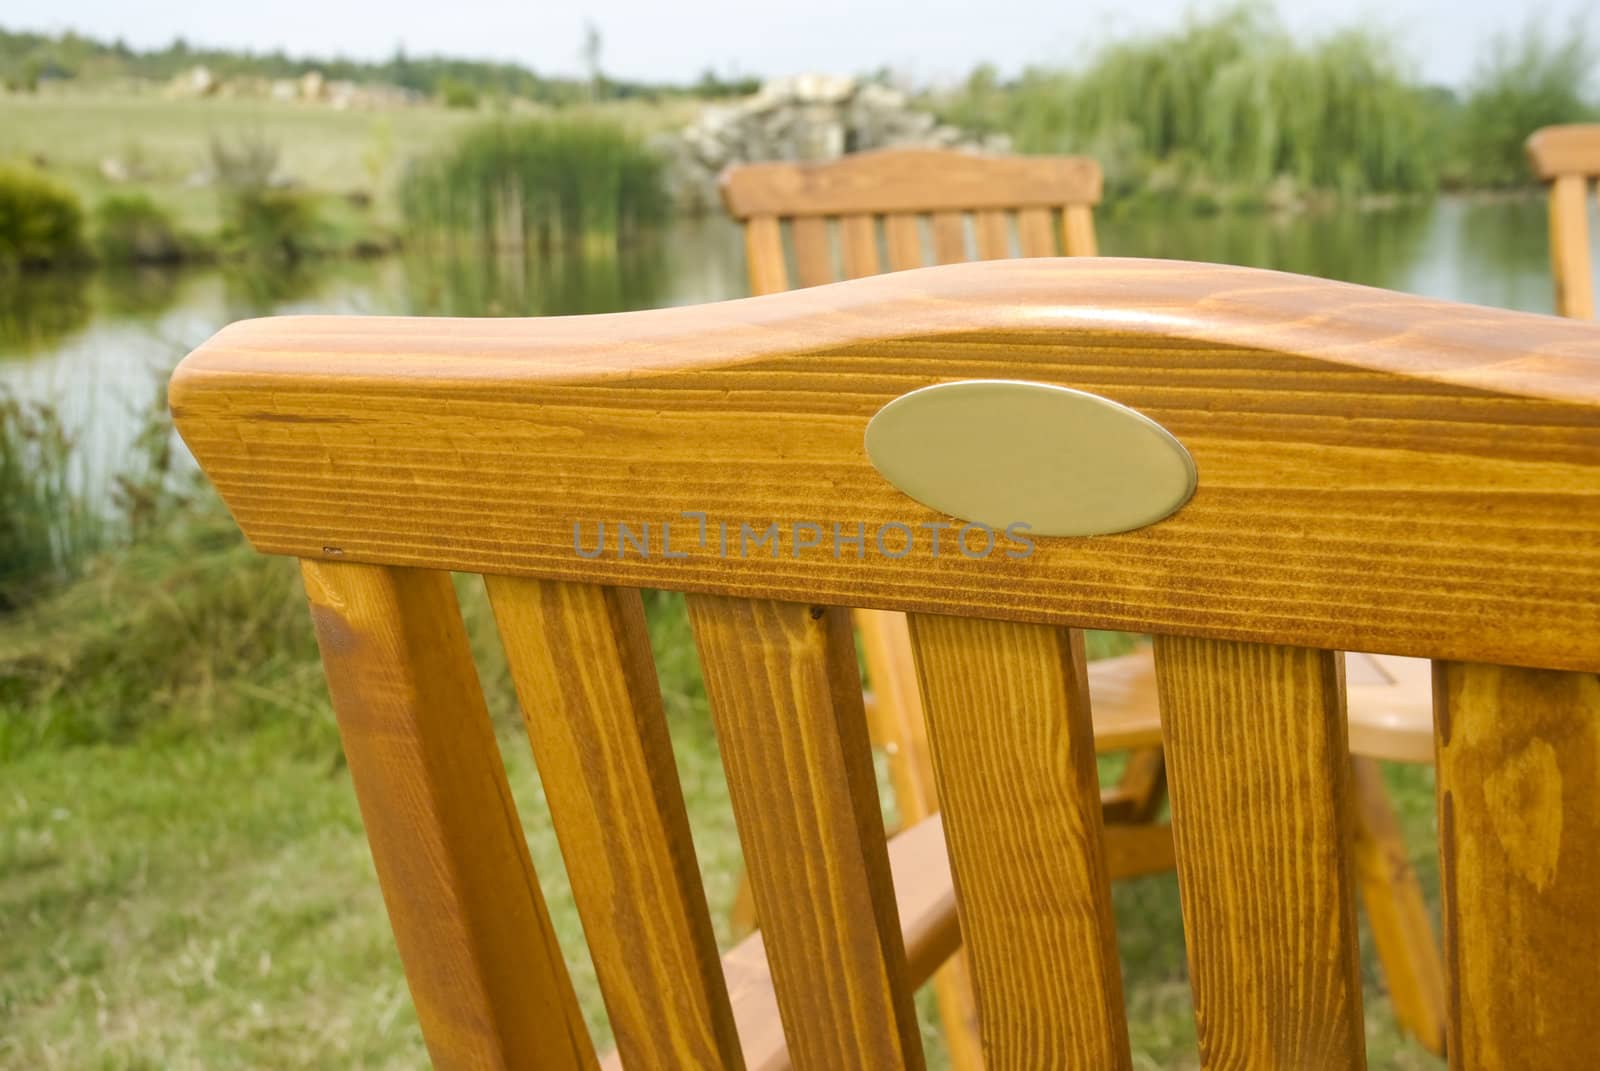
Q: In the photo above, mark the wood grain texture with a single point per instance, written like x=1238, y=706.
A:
x=1397, y=914
x=1013, y=747
x=1519, y=832
x=1569, y=247
x=763, y=252
x=813, y=252
x=481, y=959
x=899, y=726
x=909, y=180
x=1389, y=701
x=786, y=695
x=580, y=659
x=1259, y=782
x=926, y=903
x=1569, y=149
x=1359, y=450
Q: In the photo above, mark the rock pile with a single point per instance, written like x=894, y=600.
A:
x=804, y=117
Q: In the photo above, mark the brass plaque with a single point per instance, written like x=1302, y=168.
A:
x=1062, y=461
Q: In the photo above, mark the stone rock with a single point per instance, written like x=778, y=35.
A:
x=802, y=117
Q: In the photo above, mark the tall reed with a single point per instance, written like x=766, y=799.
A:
x=1524, y=81
x=537, y=183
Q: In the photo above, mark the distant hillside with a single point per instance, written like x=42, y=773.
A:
x=26, y=59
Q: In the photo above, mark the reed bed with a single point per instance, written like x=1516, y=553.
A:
x=539, y=183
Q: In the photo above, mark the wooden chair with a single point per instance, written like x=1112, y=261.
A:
x=1458, y=519
x=934, y=206
x=1567, y=158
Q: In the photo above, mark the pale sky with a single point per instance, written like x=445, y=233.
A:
x=674, y=40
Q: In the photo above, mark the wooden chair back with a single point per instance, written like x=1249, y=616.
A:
x=1567, y=159
x=896, y=209
x=1376, y=472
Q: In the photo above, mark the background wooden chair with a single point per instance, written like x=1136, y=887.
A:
x=1567, y=158
x=387, y=452
x=901, y=209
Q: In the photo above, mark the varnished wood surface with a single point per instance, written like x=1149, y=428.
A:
x=1013, y=747
x=1568, y=158
x=1570, y=262
x=1261, y=820
x=580, y=659
x=1570, y=149
x=1467, y=490
x=1519, y=841
x=909, y=180
x=786, y=695
x=926, y=904
x=1390, y=703
x=481, y=959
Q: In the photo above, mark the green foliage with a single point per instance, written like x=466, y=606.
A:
x=1526, y=81
x=26, y=58
x=47, y=528
x=261, y=219
x=41, y=221
x=270, y=224
x=130, y=228
x=537, y=183
x=457, y=94
x=1227, y=100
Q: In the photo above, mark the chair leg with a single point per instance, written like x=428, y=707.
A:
x=1401, y=928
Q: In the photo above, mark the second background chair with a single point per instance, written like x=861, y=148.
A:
x=894, y=210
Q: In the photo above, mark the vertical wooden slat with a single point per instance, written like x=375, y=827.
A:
x=949, y=237
x=899, y=722
x=1013, y=746
x=859, y=238
x=1036, y=232
x=480, y=955
x=1519, y=833
x=1397, y=914
x=580, y=658
x=1077, y=226
x=763, y=250
x=994, y=234
x=786, y=696
x=813, y=259
x=903, y=232
x=1259, y=784
x=1569, y=247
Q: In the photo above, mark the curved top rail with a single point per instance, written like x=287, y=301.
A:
x=1375, y=471
x=909, y=180
x=1571, y=149
x=1511, y=353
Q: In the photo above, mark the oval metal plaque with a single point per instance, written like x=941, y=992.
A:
x=1062, y=461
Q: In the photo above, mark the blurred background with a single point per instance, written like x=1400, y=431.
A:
x=183, y=878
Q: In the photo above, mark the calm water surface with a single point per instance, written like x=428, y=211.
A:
x=99, y=346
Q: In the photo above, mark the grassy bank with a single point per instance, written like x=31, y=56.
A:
x=122, y=146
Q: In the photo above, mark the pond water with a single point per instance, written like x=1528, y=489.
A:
x=99, y=346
